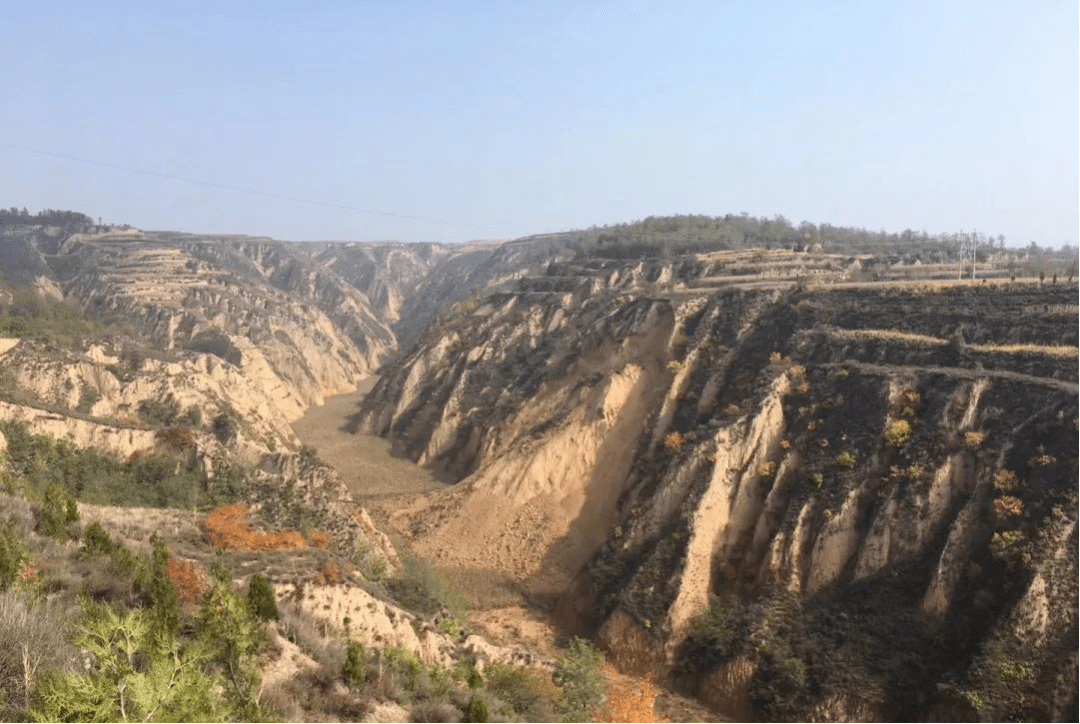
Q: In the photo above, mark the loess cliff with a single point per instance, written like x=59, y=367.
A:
x=795, y=499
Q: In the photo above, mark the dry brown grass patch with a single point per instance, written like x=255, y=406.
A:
x=319, y=539
x=225, y=529
x=673, y=442
x=1007, y=506
x=329, y=573
x=973, y=438
x=629, y=699
x=189, y=577
x=177, y=437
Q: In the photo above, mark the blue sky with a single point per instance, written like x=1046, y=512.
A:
x=463, y=120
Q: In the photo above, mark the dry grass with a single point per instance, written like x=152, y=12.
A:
x=974, y=438
x=190, y=580
x=329, y=573
x=629, y=699
x=1006, y=507
x=1061, y=352
x=137, y=524
x=891, y=335
x=319, y=539
x=673, y=442
x=225, y=529
x=32, y=640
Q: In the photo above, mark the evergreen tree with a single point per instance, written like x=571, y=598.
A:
x=232, y=637
x=261, y=598
x=135, y=675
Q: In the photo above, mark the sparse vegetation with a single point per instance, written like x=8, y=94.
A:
x=1011, y=547
x=1005, y=481
x=973, y=439
x=806, y=655
x=578, y=676
x=419, y=587
x=30, y=316
x=898, y=432
x=673, y=442
x=845, y=460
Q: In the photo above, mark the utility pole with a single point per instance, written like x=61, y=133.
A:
x=974, y=245
x=960, y=257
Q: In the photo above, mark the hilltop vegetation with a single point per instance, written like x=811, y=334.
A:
x=690, y=234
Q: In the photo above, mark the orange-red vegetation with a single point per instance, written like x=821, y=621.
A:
x=319, y=539
x=28, y=573
x=1007, y=506
x=225, y=529
x=629, y=698
x=330, y=573
x=189, y=578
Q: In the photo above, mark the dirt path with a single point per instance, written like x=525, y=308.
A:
x=363, y=461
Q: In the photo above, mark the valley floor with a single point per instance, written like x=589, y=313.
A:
x=364, y=462
x=382, y=483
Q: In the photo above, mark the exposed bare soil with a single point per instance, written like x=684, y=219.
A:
x=387, y=485
x=364, y=462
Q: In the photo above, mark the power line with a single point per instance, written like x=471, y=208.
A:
x=241, y=189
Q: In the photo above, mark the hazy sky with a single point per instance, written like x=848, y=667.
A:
x=506, y=118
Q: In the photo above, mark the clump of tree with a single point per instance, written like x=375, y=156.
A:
x=39, y=463
x=70, y=220
x=669, y=236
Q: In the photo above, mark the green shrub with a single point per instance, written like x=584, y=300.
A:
x=354, y=671
x=87, y=398
x=529, y=694
x=96, y=540
x=232, y=637
x=721, y=626
x=846, y=460
x=1011, y=548
x=225, y=428
x=192, y=417
x=98, y=477
x=134, y=674
x=164, y=613
x=157, y=414
x=898, y=432
x=403, y=668
x=578, y=676
x=421, y=589
x=261, y=598
x=13, y=554
x=58, y=511
x=476, y=710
